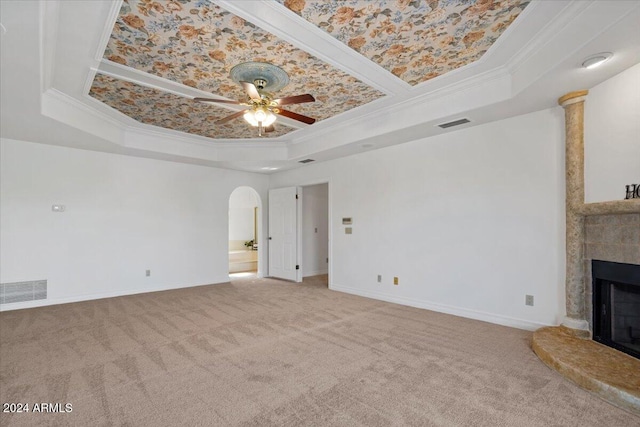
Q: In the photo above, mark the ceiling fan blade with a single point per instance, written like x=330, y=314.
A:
x=217, y=101
x=231, y=117
x=298, y=99
x=251, y=90
x=296, y=116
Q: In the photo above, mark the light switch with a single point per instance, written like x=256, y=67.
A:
x=347, y=230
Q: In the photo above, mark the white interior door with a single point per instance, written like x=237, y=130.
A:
x=283, y=233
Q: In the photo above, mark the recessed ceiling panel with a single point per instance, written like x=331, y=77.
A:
x=154, y=107
x=416, y=40
x=196, y=43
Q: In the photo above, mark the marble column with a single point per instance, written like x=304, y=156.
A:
x=573, y=104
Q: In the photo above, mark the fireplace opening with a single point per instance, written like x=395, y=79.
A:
x=616, y=305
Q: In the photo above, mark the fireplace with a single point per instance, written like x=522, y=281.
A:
x=616, y=305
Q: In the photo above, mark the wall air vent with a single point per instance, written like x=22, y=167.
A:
x=306, y=161
x=454, y=123
x=23, y=291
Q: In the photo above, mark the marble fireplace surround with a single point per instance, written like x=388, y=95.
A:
x=608, y=231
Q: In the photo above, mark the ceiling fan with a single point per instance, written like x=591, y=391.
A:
x=259, y=80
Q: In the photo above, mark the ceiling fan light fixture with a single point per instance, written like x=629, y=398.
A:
x=259, y=116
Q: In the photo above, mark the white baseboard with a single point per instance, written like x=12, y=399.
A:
x=79, y=298
x=315, y=272
x=443, y=308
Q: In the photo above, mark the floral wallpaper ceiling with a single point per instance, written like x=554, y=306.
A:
x=196, y=43
x=154, y=107
x=416, y=40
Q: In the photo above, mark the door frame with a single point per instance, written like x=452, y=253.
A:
x=260, y=229
x=329, y=228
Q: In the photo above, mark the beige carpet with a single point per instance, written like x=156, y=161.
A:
x=264, y=352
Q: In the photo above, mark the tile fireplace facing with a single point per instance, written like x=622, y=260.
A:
x=613, y=238
x=616, y=304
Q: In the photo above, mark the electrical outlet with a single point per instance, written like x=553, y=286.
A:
x=395, y=280
x=528, y=300
x=379, y=278
x=148, y=273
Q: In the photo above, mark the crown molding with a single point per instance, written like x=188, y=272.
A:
x=154, y=131
x=105, y=110
x=577, y=25
x=70, y=111
x=546, y=34
x=408, y=106
x=90, y=114
x=49, y=17
x=129, y=74
x=105, y=35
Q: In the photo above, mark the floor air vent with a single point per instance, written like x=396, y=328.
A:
x=454, y=123
x=23, y=291
x=306, y=161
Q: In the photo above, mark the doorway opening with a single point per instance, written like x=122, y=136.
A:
x=300, y=233
x=314, y=233
x=245, y=217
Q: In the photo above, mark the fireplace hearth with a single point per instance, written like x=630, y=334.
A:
x=616, y=305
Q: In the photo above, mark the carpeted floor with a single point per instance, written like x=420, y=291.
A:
x=265, y=352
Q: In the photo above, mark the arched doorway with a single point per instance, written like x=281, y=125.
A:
x=245, y=219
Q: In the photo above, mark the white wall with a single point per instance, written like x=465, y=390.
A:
x=315, y=238
x=470, y=221
x=124, y=215
x=612, y=137
x=242, y=202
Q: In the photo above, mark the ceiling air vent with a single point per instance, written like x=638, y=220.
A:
x=454, y=123
x=306, y=161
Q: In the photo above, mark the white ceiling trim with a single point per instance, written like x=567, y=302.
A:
x=108, y=28
x=408, y=108
x=495, y=88
x=123, y=72
x=287, y=25
x=75, y=113
x=159, y=141
x=49, y=13
x=566, y=13
x=541, y=55
x=70, y=111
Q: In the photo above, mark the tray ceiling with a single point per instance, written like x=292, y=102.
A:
x=61, y=44
x=195, y=43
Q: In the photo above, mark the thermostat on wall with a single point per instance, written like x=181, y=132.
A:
x=346, y=221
